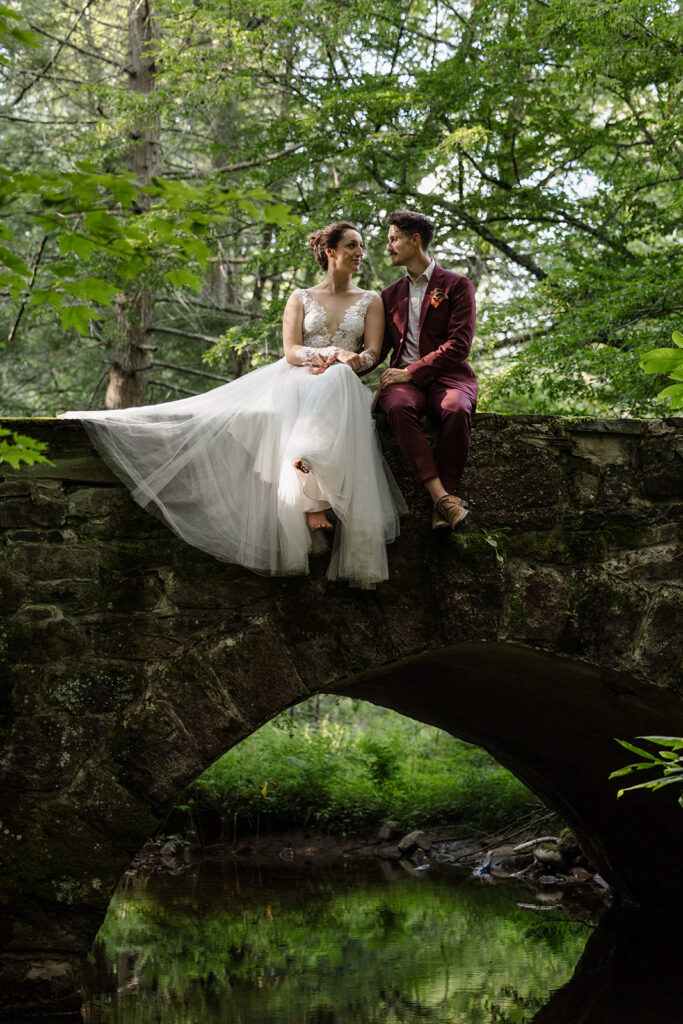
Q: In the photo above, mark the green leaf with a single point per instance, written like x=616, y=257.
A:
x=77, y=244
x=102, y=224
x=14, y=262
x=180, y=278
x=94, y=289
x=677, y=338
x=40, y=296
x=12, y=282
x=277, y=213
x=163, y=228
x=661, y=360
x=654, y=784
x=78, y=317
x=675, y=394
x=627, y=769
x=673, y=742
x=21, y=449
x=130, y=268
x=637, y=750
x=25, y=36
x=195, y=247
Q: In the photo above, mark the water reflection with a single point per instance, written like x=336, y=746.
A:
x=345, y=948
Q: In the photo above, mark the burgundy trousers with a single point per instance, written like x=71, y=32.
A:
x=450, y=408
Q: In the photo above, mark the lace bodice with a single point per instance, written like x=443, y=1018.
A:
x=349, y=334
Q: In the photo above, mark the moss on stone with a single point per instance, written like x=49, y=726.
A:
x=66, y=860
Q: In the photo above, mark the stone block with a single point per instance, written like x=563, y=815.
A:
x=658, y=653
x=12, y=590
x=661, y=467
x=41, y=633
x=605, y=619
x=75, y=597
x=35, y=536
x=545, y=597
x=99, y=798
x=22, y=512
x=52, y=562
x=98, y=502
x=94, y=686
x=216, y=586
x=13, y=487
x=46, y=751
x=529, y=497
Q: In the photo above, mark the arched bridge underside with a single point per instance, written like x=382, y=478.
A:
x=131, y=662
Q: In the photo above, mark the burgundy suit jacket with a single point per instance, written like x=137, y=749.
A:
x=445, y=330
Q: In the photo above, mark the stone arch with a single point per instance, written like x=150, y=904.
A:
x=132, y=661
x=552, y=721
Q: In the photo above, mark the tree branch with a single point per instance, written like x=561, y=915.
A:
x=50, y=124
x=94, y=390
x=498, y=243
x=564, y=215
x=197, y=373
x=248, y=164
x=72, y=46
x=213, y=306
x=172, y=387
x=13, y=331
x=209, y=339
x=55, y=55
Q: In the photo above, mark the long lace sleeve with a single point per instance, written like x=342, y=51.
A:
x=368, y=359
x=307, y=352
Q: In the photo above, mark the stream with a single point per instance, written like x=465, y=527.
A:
x=370, y=944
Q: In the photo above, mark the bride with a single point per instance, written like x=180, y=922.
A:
x=248, y=470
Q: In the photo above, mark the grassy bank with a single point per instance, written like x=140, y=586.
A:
x=346, y=766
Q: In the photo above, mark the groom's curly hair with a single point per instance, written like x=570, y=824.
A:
x=410, y=223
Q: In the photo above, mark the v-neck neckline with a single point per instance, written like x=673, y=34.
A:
x=341, y=322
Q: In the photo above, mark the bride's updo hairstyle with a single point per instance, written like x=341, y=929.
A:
x=328, y=237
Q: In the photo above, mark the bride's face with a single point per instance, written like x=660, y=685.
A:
x=349, y=252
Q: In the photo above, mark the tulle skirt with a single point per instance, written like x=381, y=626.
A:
x=218, y=469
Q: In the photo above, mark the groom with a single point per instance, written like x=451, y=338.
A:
x=430, y=316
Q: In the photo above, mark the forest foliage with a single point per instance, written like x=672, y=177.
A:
x=346, y=766
x=163, y=160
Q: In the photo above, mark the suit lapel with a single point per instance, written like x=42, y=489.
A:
x=401, y=305
x=435, y=281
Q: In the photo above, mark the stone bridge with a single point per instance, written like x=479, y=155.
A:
x=131, y=661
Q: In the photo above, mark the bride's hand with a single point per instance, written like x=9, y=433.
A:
x=351, y=359
x=320, y=362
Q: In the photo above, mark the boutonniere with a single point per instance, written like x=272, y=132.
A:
x=437, y=297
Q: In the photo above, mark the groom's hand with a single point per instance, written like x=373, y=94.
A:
x=394, y=376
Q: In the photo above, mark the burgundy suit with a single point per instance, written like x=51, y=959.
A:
x=443, y=383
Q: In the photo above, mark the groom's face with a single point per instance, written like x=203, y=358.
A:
x=401, y=248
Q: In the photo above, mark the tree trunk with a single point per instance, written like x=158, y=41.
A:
x=130, y=363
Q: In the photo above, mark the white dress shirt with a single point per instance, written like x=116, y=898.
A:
x=417, y=286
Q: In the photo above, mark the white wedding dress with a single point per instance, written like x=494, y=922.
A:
x=218, y=467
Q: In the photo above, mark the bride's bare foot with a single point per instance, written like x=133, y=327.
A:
x=302, y=466
x=318, y=520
